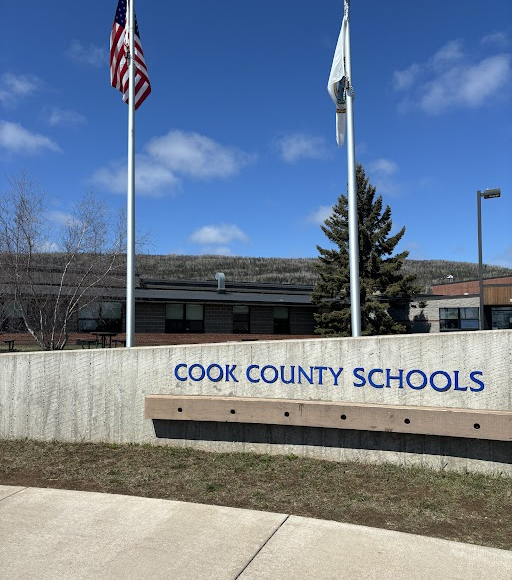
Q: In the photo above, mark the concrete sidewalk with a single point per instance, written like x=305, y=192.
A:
x=55, y=534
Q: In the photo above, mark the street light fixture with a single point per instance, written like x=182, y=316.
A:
x=490, y=193
x=486, y=194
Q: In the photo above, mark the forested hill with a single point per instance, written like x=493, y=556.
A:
x=292, y=270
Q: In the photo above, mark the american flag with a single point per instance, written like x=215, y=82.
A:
x=119, y=48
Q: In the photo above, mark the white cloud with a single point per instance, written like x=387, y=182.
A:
x=467, y=86
x=14, y=87
x=17, y=139
x=219, y=235
x=196, y=155
x=297, y=146
x=166, y=160
x=91, y=55
x=448, y=54
x=217, y=239
x=404, y=79
x=60, y=217
x=320, y=214
x=382, y=166
x=498, y=39
x=48, y=247
x=381, y=172
x=56, y=117
x=453, y=79
x=151, y=178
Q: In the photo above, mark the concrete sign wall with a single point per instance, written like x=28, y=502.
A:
x=98, y=395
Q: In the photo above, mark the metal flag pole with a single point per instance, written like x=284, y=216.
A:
x=130, y=211
x=353, y=234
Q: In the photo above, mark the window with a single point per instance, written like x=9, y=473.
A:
x=103, y=316
x=174, y=317
x=458, y=319
x=11, y=316
x=240, y=319
x=501, y=317
x=281, y=320
x=111, y=316
x=184, y=318
x=88, y=318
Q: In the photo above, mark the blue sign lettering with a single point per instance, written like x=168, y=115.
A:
x=440, y=381
x=335, y=375
x=370, y=378
x=439, y=387
x=480, y=384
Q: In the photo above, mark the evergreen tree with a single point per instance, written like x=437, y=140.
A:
x=381, y=277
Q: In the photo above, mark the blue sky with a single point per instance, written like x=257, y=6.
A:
x=236, y=150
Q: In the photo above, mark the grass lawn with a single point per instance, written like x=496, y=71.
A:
x=465, y=507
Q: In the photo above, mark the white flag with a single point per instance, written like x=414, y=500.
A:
x=337, y=85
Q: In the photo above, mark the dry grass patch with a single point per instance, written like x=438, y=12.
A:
x=465, y=507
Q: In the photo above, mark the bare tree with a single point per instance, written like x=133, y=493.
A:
x=49, y=274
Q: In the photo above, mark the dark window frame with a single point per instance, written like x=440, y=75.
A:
x=495, y=318
x=281, y=324
x=460, y=322
x=241, y=321
x=101, y=323
x=184, y=325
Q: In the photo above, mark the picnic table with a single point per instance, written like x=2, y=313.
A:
x=86, y=342
x=10, y=344
x=102, y=336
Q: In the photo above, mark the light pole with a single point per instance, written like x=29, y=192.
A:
x=486, y=194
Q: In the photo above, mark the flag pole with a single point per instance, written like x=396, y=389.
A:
x=130, y=211
x=353, y=233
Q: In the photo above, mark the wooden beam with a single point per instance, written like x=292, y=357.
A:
x=445, y=421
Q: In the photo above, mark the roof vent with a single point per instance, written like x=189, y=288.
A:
x=221, y=279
